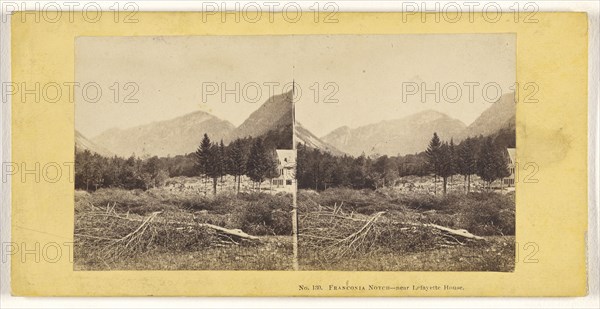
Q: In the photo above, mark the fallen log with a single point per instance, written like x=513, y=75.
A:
x=461, y=232
x=232, y=232
x=456, y=232
x=228, y=232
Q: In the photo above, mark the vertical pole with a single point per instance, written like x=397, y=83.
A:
x=295, y=188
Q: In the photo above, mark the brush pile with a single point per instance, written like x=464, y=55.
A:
x=111, y=235
x=335, y=233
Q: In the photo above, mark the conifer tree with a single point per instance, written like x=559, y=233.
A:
x=491, y=162
x=466, y=161
x=202, y=156
x=261, y=163
x=433, y=157
x=222, y=160
x=446, y=163
x=236, y=163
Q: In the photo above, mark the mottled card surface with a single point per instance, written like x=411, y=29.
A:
x=377, y=155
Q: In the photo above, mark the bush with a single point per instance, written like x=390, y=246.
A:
x=362, y=201
x=82, y=200
x=263, y=214
x=255, y=219
x=282, y=222
x=133, y=201
x=424, y=202
x=487, y=214
x=480, y=213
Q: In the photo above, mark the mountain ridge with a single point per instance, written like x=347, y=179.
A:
x=82, y=143
x=175, y=136
x=388, y=136
x=305, y=137
x=394, y=137
x=409, y=134
x=182, y=135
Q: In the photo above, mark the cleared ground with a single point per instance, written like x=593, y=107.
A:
x=340, y=229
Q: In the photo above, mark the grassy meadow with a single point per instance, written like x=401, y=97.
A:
x=389, y=229
x=160, y=229
x=383, y=230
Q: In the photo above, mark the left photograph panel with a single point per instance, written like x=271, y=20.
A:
x=184, y=154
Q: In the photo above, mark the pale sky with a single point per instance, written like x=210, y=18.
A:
x=367, y=73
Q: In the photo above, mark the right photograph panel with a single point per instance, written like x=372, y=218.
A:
x=406, y=152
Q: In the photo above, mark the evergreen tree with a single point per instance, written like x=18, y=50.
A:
x=213, y=168
x=236, y=161
x=358, y=172
x=446, y=165
x=491, y=163
x=466, y=161
x=222, y=160
x=453, y=159
x=209, y=161
x=203, y=154
x=433, y=157
x=301, y=163
x=261, y=163
x=385, y=169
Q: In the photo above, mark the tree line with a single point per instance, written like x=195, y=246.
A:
x=482, y=156
x=93, y=171
x=249, y=156
x=243, y=157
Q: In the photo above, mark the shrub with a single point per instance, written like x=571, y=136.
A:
x=282, y=222
x=362, y=201
x=425, y=202
x=480, y=213
x=82, y=200
x=487, y=214
x=263, y=214
x=254, y=218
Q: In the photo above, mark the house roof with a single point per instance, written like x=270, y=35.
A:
x=511, y=154
x=289, y=154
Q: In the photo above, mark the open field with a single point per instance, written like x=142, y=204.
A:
x=384, y=230
x=340, y=229
x=456, y=184
x=159, y=229
x=227, y=184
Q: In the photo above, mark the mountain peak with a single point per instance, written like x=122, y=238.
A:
x=500, y=114
x=274, y=114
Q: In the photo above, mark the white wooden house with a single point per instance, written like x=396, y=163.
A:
x=510, y=180
x=286, y=168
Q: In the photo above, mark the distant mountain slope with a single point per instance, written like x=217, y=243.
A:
x=392, y=137
x=275, y=114
x=180, y=135
x=82, y=143
x=500, y=115
x=305, y=137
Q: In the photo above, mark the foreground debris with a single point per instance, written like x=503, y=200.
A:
x=114, y=235
x=333, y=232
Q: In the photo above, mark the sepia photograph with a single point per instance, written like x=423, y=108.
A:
x=181, y=174
x=411, y=166
x=398, y=156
